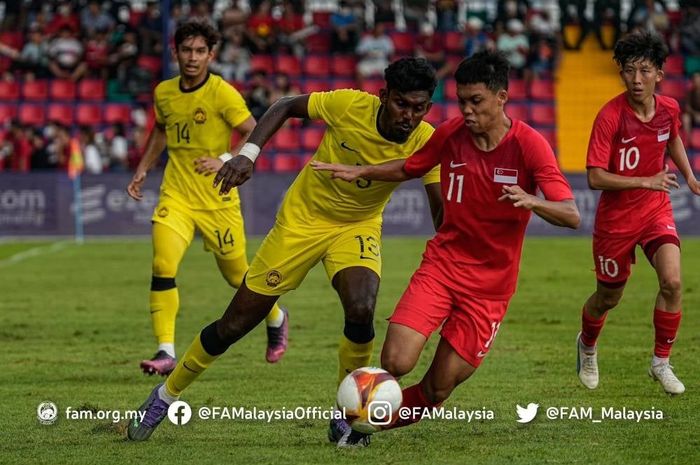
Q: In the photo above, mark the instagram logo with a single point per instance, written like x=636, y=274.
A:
x=379, y=413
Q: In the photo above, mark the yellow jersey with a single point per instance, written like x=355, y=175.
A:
x=198, y=122
x=351, y=138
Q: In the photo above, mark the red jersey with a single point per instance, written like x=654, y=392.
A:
x=477, y=248
x=621, y=144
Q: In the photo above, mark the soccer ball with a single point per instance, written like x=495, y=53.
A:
x=371, y=398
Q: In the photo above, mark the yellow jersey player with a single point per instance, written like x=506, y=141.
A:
x=319, y=221
x=195, y=115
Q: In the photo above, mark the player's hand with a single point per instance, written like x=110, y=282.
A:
x=345, y=172
x=233, y=173
x=694, y=186
x=207, y=165
x=518, y=197
x=134, y=187
x=663, y=181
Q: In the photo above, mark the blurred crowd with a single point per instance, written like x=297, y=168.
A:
x=122, y=43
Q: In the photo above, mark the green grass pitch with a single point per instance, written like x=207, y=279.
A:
x=74, y=324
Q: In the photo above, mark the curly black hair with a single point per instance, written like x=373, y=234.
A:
x=488, y=67
x=641, y=46
x=197, y=29
x=410, y=74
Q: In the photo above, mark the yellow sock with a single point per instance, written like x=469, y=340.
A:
x=164, y=306
x=275, y=317
x=352, y=356
x=190, y=366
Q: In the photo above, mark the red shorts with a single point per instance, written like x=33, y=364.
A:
x=614, y=256
x=469, y=323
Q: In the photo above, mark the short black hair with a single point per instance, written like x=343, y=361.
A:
x=409, y=74
x=488, y=67
x=197, y=28
x=641, y=46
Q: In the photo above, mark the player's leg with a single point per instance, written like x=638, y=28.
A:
x=170, y=241
x=224, y=234
x=613, y=260
x=665, y=256
x=277, y=321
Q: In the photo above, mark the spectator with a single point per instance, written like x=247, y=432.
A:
x=375, y=50
x=91, y=154
x=690, y=39
x=64, y=18
x=515, y=45
x=291, y=31
x=475, y=38
x=93, y=18
x=97, y=54
x=41, y=159
x=257, y=96
x=345, y=26
x=511, y=9
x=58, y=136
x=261, y=29
x=19, y=148
x=151, y=29
x=33, y=59
x=446, y=11
x=432, y=47
x=282, y=86
x=543, y=54
x=66, y=56
x=118, y=149
x=691, y=115
x=233, y=60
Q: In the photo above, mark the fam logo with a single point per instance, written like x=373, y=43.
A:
x=47, y=413
x=199, y=116
x=273, y=278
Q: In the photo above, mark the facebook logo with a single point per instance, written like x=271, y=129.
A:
x=179, y=413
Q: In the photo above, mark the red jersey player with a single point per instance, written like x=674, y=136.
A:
x=491, y=167
x=626, y=161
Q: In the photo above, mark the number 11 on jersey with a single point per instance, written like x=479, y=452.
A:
x=460, y=185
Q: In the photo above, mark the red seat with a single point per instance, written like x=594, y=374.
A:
x=404, y=42
x=288, y=64
x=315, y=85
x=372, y=86
x=286, y=140
x=91, y=89
x=8, y=112
x=542, y=89
x=454, y=42
x=261, y=62
x=61, y=112
x=542, y=114
x=62, y=89
x=435, y=115
x=311, y=138
x=517, y=89
x=518, y=111
x=551, y=136
x=14, y=39
x=31, y=114
x=9, y=90
x=88, y=113
x=286, y=163
x=674, y=66
x=343, y=65
x=35, y=90
x=150, y=63
x=675, y=88
x=317, y=66
x=695, y=138
x=263, y=163
x=117, y=113
x=318, y=43
x=450, y=90
x=321, y=19
x=696, y=162
x=344, y=84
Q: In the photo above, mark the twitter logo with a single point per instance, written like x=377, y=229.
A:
x=526, y=415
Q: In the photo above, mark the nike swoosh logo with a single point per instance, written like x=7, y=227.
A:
x=345, y=146
x=624, y=141
x=188, y=368
x=670, y=227
x=456, y=165
x=670, y=341
x=481, y=354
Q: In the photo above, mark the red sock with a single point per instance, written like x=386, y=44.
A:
x=591, y=328
x=414, y=399
x=666, y=325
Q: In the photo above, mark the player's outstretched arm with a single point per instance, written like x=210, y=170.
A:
x=390, y=171
x=676, y=150
x=239, y=169
x=154, y=147
x=600, y=179
x=559, y=213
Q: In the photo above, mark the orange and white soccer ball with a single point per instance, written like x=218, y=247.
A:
x=371, y=398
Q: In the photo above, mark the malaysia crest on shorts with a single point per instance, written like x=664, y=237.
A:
x=505, y=176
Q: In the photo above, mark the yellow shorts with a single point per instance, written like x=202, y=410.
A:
x=221, y=229
x=287, y=254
